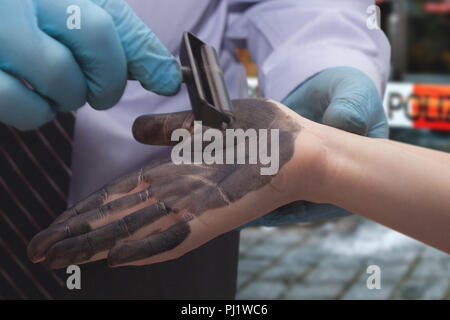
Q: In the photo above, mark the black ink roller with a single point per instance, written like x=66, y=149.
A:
x=204, y=80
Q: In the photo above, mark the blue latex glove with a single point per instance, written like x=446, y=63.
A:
x=67, y=68
x=340, y=97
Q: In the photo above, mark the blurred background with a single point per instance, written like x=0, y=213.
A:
x=329, y=260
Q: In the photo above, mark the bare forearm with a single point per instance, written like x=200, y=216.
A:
x=404, y=187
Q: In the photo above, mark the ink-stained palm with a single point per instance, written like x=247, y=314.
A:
x=165, y=210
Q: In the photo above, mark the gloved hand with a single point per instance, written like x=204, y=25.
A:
x=340, y=97
x=68, y=67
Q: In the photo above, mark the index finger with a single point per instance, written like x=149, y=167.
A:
x=149, y=61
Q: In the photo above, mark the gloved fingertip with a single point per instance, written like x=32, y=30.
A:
x=99, y=105
x=380, y=131
x=168, y=88
x=35, y=120
x=168, y=83
x=157, y=71
x=346, y=119
x=106, y=98
x=69, y=108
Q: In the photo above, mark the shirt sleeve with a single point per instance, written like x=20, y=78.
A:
x=291, y=40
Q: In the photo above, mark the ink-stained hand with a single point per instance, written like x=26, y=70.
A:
x=165, y=210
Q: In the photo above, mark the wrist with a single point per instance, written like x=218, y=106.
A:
x=319, y=153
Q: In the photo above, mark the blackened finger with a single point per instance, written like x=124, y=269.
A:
x=154, y=244
x=94, y=245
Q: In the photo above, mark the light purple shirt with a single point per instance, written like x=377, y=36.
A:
x=290, y=40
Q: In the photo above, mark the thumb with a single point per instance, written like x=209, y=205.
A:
x=149, y=61
x=354, y=100
x=347, y=114
x=156, y=129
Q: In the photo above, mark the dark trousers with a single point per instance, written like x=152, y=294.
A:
x=209, y=272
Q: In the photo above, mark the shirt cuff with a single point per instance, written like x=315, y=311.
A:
x=276, y=81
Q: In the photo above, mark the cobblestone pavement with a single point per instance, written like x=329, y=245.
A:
x=330, y=260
